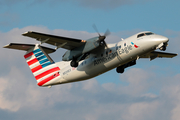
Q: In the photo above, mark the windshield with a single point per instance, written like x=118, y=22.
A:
x=140, y=35
x=144, y=34
x=149, y=33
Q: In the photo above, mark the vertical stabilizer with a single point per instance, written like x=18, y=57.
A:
x=42, y=66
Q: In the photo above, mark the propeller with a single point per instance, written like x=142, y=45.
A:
x=102, y=38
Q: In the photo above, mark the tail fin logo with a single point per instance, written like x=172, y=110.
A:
x=42, y=68
x=38, y=56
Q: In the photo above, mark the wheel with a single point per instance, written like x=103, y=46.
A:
x=163, y=48
x=74, y=63
x=120, y=69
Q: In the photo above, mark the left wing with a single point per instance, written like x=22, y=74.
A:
x=58, y=41
x=156, y=54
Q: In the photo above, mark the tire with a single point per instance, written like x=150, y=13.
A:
x=120, y=69
x=74, y=63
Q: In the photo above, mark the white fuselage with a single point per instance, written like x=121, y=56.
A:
x=104, y=59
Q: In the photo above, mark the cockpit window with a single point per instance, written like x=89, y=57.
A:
x=144, y=34
x=149, y=33
x=140, y=35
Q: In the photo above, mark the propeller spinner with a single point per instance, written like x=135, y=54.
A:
x=102, y=38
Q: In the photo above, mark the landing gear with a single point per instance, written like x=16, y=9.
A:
x=74, y=63
x=120, y=69
x=163, y=48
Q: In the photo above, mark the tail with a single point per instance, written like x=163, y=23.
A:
x=45, y=71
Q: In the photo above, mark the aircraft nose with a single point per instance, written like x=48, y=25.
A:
x=162, y=39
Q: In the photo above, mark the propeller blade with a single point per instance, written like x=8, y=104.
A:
x=95, y=28
x=105, y=44
x=102, y=38
x=107, y=32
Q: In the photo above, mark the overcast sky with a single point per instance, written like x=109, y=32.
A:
x=149, y=90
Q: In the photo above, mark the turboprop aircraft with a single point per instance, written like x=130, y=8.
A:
x=85, y=59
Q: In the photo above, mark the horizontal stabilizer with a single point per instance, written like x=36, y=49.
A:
x=27, y=47
x=156, y=54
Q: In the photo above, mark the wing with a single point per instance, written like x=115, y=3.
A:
x=26, y=47
x=156, y=54
x=58, y=41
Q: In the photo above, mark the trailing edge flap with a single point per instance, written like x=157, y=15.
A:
x=59, y=41
x=26, y=47
x=156, y=54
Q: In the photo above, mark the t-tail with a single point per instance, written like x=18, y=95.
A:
x=44, y=69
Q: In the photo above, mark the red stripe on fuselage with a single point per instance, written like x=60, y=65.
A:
x=136, y=46
x=48, y=79
x=28, y=55
x=32, y=61
x=36, y=68
x=47, y=72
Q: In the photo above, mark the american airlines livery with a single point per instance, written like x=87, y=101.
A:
x=85, y=59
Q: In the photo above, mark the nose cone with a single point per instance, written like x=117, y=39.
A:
x=164, y=39
x=161, y=39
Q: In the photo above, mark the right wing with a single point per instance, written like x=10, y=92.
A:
x=58, y=41
x=156, y=54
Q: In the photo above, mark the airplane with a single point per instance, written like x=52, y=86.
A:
x=85, y=59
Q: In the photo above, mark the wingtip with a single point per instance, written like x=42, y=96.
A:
x=24, y=34
x=6, y=46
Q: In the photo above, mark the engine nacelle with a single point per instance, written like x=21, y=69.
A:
x=76, y=53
